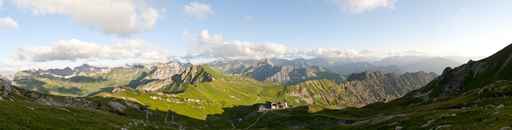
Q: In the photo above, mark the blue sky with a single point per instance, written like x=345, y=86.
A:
x=435, y=27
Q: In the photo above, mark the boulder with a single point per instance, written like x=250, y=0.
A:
x=117, y=107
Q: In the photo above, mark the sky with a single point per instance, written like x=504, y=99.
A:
x=50, y=32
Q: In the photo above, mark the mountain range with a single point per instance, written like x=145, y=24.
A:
x=395, y=64
x=227, y=95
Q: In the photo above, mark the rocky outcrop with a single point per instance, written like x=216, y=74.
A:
x=360, y=89
x=117, y=107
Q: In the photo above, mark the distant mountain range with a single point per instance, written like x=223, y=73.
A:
x=86, y=79
x=282, y=71
x=302, y=84
x=397, y=64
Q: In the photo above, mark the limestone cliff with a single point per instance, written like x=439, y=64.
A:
x=170, y=77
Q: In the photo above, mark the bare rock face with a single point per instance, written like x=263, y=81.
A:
x=165, y=71
x=360, y=89
x=195, y=74
x=170, y=77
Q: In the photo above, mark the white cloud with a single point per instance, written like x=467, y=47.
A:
x=360, y=6
x=214, y=45
x=198, y=10
x=206, y=45
x=8, y=23
x=122, y=17
x=73, y=50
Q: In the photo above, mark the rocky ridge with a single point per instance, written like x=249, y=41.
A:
x=472, y=75
x=170, y=77
x=88, y=80
x=68, y=72
x=359, y=90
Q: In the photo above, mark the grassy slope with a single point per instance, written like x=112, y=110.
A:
x=200, y=100
x=23, y=114
x=476, y=109
x=117, y=77
x=311, y=90
x=483, y=114
x=487, y=108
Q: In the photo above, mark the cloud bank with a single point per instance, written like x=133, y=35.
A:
x=73, y=50
x=214, y=45
x=198, y=10
x=207, y=45
x=121, y=17
x=8, y=23
x=361, y=6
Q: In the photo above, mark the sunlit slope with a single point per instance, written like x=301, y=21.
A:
x=202, y=99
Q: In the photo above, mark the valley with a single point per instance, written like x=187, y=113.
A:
x=214, y=99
